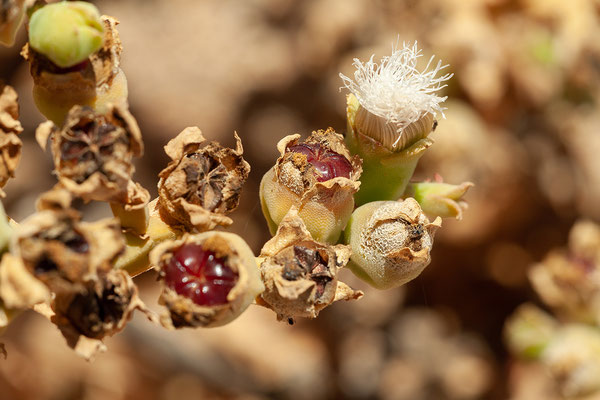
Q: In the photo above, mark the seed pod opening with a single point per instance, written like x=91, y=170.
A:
x=202, y=183
x=63, y=252
x=391, y=242
x=317, y=176
x=93, y=155
x=10, y=127
x=300, y=274
x=209, y=279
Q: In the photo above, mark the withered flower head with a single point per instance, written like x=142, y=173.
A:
x=300, y=274
x=96, y=82
x=11, y=17
x=100, y=308
x=93, y=154
x=202, y=183
x=210, y=279
x=10, y=127
x=569, y=281
x=390, y=241
x=63, y=252
x=319, y=177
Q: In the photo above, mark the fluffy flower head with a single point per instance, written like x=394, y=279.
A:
x=395, y=89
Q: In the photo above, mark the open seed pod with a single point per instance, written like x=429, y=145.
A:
x=202, y=183
x=93, y=155
x=60, y=250
x=300, y=274
x=391, y=242
x=319, y=177
x=10, y=127
x=209, y=278
x=100, y=308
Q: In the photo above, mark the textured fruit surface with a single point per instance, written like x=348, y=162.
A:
x=199, y=275
x=328, y=164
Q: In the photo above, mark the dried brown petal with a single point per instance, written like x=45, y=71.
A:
x=202, y=183
x=18, y=288
x=93, y=155
x=182, y=311
x=324, y=206
x=100, y=308
x=10, y=127
x=300, y=274
x=63, y=252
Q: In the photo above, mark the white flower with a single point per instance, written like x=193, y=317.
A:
x=395, y=90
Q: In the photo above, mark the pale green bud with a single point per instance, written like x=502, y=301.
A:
x=439, y=199
x=66, y=32
x=529, y=331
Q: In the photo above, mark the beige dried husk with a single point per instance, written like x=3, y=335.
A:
x=60, y=250
x=300, y=274
x=182, y=311
x=391, y=242
x=10, y=127
x=325, y=206
x=93, y=155
x=102, y=307
x=202, y=183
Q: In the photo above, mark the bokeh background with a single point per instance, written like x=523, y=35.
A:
x=522, y=123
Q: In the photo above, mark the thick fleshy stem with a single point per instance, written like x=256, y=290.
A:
x=133, y=219
x=386, y=173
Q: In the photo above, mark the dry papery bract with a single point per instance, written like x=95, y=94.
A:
x=10, y=127
x=325, y=206
x=300, y=274
x=60, y=250
x=569, y=281
x=93, y=155
x=202, y=183
x=391, y=242
x=182, y=311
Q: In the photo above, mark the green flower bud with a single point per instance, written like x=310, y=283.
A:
x=391, y=242
x=439, y=199
x=528, y=331
x=66, y=32
x=390, y=113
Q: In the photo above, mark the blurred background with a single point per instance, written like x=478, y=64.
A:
x=522, y=123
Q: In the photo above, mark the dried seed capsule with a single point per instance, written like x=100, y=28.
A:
x=66, y=32
x=210, y=279
x=10, y=127
x=300, y=274
x=202, y=183
x=97, y=81
x=12, y=13
x=93, y=155
x=60, y=250
x=318, y=177
x=390, y=113
x=390, y=241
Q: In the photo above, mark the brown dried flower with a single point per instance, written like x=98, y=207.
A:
x=93, y=155
x=60, y=250
x=300, y=274
x=321, y=185
x=10, y=127
x=202, y=183
x=210, y=279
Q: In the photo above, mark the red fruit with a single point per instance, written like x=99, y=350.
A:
x=199, y=275
x=327, y=163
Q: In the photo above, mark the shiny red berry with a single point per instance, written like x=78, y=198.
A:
x=199, y=275
x=327, y=163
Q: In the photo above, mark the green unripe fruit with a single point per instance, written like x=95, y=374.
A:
x=66, y=32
